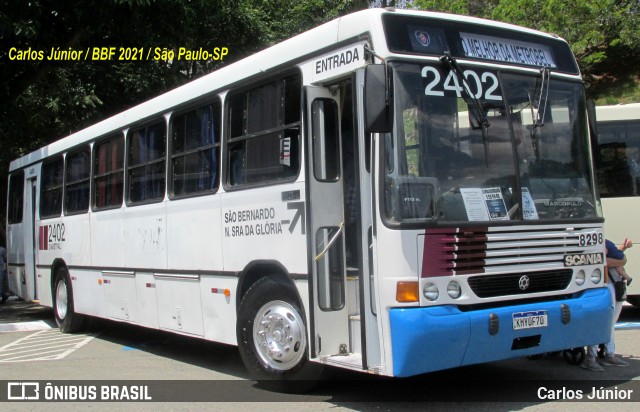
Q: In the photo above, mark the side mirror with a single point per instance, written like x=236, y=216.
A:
x=377, y=99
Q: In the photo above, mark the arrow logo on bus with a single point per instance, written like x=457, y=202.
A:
x=299, y=216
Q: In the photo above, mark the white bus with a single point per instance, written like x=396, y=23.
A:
x=394, y=192
x=619, y=181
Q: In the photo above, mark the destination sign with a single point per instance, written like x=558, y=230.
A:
x=498, y=49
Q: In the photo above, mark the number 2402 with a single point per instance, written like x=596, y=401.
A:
x=485, y=84
x=56, y=232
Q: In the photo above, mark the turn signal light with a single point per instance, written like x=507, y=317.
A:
x=407, y=292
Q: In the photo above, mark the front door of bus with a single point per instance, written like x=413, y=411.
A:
x=330, y=320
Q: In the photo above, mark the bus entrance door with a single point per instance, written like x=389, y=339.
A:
x=330, y=326
x=30, y=279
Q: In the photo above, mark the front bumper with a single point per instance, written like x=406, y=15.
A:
x=442, y=337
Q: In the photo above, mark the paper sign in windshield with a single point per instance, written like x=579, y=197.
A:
x=528, y=205
x=484, y=204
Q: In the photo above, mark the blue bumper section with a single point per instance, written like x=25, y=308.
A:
x=443, y=337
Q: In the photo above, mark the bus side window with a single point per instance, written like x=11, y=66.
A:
x=78, y=168
x=195, y=151
x=264, y=132
x=16, y=197
x=51, y=188
x=146, y=169
x=108, y=173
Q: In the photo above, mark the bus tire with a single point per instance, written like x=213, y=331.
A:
x=68, y=321
x=272, y=337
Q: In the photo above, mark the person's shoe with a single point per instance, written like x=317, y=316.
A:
x=4, y=299
x=614, y=361
x=591, y=364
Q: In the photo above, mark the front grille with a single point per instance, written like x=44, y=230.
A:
x=476, y=250
x=489, y=286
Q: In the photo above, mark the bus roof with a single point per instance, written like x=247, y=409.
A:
x=341, y=30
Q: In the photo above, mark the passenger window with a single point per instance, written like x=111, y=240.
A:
x=146, y=167
x=195, y=140
x=78, y=169
x=51, y=188
x=108, y=174
x=264, y=133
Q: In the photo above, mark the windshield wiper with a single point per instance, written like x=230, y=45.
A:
x=476, y=108
x=541, y=109
x=471, y=100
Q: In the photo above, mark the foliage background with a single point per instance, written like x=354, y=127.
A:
x=43, y=101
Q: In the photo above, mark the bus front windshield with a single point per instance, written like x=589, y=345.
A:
x=479, y=145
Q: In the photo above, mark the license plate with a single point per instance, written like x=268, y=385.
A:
x=527, y=320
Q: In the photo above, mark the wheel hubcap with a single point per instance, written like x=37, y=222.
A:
x=61, y=299
x=278, y=335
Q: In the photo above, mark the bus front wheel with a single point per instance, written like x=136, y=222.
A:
x=272, y=337
x=68, y=321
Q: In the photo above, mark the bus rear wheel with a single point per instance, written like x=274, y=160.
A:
x=68, y=321
x=272, y=337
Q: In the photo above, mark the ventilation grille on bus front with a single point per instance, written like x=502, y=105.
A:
x=471, y=251
x=488, y=286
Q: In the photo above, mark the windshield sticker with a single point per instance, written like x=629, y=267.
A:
x=495, y=203
x=506, y=50
x=528, y=205
x=484, y=204
x=474, y=204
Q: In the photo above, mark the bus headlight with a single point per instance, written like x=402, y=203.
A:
x=596, y=276
x=430, y=292
x=454, y=290
x=580, y=278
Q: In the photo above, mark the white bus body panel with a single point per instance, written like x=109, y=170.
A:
x=145, y=236
x=259, y=225
x=194, y=240
x=147, y=300
x=620, y=222
x=88, y=292
x=108, y=242
x=219, y=310
x=180, y=307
